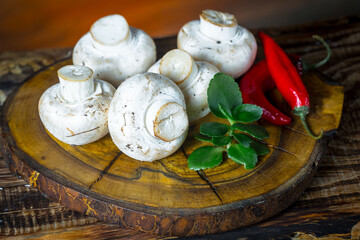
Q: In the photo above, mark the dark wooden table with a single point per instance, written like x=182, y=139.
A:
x=329, y=208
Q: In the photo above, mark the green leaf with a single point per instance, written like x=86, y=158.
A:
x=260, y=148
x=202, y=137
x=247, y=113
x=243, y=139
x=205, y=157
x=214, y=129
x=243, y=155
x=225, y=112
x=236, y=110
x=225, y=91
x=254, y=130
x=221, y=141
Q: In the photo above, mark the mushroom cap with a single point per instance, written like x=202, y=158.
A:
x=76, y=123
x=147, y=117
x=193, y=86
x=114, y=57
x=233, y=56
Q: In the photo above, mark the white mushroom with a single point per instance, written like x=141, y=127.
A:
x=147, y=117
x=115, y=51
x=218, y=39
x=191, y=76
x=75, y=110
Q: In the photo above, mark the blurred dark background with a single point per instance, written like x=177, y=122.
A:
x=34, y=24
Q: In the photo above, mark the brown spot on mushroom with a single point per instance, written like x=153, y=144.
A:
x=76, y=134
x=72, y=133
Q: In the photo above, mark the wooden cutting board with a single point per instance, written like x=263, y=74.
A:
x=165, y=197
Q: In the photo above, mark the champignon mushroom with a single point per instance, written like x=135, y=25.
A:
x=191, y=76
x=75, y=110
x=115, y=51
x=218, y=39
x=147, y=117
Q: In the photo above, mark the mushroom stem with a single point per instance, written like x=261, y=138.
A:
x=217, y=25
x=179, y=66
x=110, y=30
x=76, y=83
x=165, y=120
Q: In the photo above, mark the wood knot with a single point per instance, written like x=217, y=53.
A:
x=257, y=211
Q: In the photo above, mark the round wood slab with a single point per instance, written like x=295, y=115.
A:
x=165, y=197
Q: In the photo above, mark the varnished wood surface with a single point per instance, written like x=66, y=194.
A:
x=165, y=197
x=331, y=204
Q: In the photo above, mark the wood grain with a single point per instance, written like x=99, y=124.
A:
x=330, y=205
x=165, y=197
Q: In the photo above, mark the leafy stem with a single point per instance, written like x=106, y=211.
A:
x=239, y=140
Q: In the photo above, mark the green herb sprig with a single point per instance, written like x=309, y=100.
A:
x=240, y=139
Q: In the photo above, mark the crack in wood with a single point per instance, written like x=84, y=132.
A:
x=276, y=147
x=207, y=180
x=106, y=169
x=204, y=177
x=297, y=131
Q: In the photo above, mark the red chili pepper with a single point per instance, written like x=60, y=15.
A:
x=258, y=80
x=287, y=80
x=253, y=85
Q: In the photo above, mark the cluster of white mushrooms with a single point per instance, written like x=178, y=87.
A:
x=149, y=113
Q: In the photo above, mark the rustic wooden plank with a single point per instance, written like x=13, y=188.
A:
x=16, y=67
x=7, y=179
x=94, y=231
x=24, y=210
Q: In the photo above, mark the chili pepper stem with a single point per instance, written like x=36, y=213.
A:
x=302, y=112
x=312, y=66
